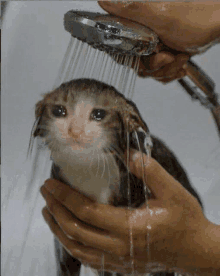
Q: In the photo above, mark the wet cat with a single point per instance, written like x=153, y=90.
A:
x=88, y=126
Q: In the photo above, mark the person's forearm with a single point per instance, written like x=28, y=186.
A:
x=198, y=250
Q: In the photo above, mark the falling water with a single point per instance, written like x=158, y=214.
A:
x=83, y=61
x=115, y=70
x=64, y=62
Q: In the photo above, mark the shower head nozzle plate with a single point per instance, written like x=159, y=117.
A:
x=110, y=34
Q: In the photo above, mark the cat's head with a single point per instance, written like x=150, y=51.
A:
x=86, y=114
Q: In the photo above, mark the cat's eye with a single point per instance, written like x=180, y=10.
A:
x=59, y=111
x=98, y=114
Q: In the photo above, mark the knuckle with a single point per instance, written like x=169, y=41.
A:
x=123, y=251
x=72, y=232
x=86, y=214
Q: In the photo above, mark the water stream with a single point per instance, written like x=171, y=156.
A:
x=115, y=70
x=82, y=61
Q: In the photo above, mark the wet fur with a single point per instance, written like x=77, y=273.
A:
x=125, y=118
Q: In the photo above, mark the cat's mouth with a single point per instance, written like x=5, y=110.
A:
x=80, y=144
x=78, y=139
x=84, y=142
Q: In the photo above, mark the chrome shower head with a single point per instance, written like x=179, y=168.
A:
x=111, y=34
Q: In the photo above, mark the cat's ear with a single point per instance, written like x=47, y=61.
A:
x=140, y=138
x=134, y=121
x=38, y=127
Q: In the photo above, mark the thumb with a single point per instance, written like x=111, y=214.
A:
x=159, y=181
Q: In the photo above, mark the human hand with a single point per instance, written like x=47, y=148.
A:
x=171, y=232
x=186, y=28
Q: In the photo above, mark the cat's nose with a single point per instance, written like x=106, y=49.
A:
x=75, y=132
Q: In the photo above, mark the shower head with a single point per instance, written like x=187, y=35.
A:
x=111, y=34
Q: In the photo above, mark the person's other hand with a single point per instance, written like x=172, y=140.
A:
x=186, y=28
x=171, y=232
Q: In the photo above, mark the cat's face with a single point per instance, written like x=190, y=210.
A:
x=83, y=116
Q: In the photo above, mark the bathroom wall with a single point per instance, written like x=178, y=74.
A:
x=33, y=45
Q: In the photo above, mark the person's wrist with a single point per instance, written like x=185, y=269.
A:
x=208, y=250
x=212, y=238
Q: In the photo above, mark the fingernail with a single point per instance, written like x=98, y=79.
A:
x=162, y=59
x=135, y=156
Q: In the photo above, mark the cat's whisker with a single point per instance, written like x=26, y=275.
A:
x=103, y=167
x=39, y=127
x=98, y=166
x=112, y=157
x=53, y=145
x=116, y=150
x=90, y=165
x=44, y=127
x=107, y=162
x=119, y=156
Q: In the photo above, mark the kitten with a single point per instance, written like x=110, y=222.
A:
x=88, y=126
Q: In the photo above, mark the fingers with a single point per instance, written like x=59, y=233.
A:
x=172, y=66
x=85, y=254
x=79, y=231
x=160, y=182
x=115, y=220
x=97, y=259
x=162, y=66
x=155, y=61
